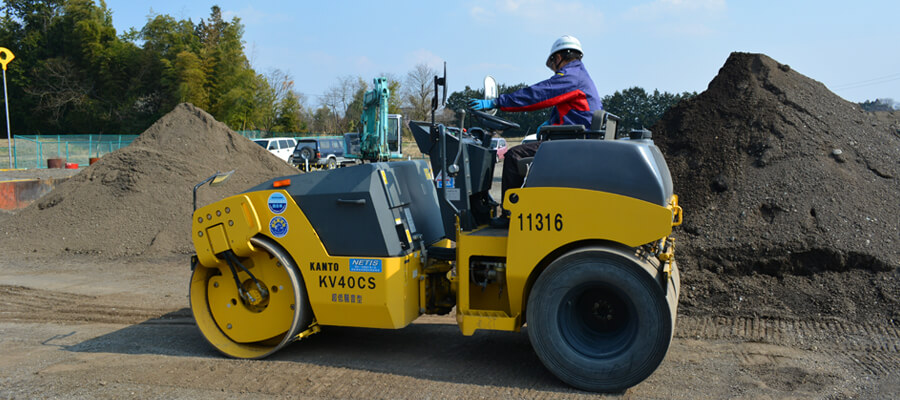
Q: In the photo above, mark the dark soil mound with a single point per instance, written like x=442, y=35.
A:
x=780, y=178
x=137, y=201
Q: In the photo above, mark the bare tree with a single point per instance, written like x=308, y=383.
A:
x=396, y=88
x=338, y=99
x=330, y=101
x=419, y=90
x=278, y=84
x=58, y=87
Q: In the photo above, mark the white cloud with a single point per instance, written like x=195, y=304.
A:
x=538, y=11
x=480, y=14
x=677, y=8
x=679, y=17
x=364, y=63
x=513, y=5
x=321, y=58
x=251, y=16
x=424, y=56
x=491, y=67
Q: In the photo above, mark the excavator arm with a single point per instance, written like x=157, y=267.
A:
x=378, y=138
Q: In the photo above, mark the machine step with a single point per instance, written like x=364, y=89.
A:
x=471, y=320
x=442, y=253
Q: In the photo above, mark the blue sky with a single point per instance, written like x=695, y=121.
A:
x=670, y=45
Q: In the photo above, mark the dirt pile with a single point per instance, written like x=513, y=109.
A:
x=137, y=201
x=784, y=182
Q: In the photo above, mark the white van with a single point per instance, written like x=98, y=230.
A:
x=281, y=147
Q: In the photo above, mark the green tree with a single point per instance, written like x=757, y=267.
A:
x=290, y=115
x=190, y=79
x=323, y=121
x=355, y=108
x=171, y=53
x=230, y=81
x=395, y=102
x=74, y=74
x=639, y=109
x=879, y=105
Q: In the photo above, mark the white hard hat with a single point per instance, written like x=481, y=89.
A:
x=566, y=42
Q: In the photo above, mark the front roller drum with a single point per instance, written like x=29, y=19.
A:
x=257, y=325
x=600, y=319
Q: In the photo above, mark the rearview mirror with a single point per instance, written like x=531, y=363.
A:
x=215, y=180
x=490, y=91
x=220, y=178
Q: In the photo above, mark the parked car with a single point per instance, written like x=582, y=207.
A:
x=499, y=144
x=281, y=147
x=530, y=138
x=324, y=152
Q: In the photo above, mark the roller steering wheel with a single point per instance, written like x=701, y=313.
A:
x=493, y=123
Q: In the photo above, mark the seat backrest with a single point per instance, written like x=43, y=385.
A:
x=603, y=121
x=611, y=128
x=598, y=120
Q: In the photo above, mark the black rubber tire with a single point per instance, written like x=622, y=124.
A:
x=599, y=320
x=331, y=164
x=306, y=153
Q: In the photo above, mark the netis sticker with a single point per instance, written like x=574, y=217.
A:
x=278, y=226
x=277, y=203
x=365, y=265
x=440, y=180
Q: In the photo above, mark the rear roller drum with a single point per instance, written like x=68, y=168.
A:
x=265, y=314
x=599, y=319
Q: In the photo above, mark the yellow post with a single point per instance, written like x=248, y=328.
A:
x=5, y=57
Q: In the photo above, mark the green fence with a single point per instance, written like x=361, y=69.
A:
x=34, y=151
x=257, y=134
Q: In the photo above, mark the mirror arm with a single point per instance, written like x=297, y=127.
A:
x=205, y=181
x=224, y=177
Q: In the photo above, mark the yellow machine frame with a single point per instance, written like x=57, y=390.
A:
x=391, y=292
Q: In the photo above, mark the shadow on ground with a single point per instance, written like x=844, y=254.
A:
x=437, y=352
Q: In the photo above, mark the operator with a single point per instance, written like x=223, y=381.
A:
x=571, y=93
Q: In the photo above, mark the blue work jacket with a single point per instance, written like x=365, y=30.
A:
x=570, y=92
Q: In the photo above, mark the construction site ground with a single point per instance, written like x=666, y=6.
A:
x=94, y=329
x=88, y=327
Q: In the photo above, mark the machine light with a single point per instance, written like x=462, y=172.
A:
x=281, y=183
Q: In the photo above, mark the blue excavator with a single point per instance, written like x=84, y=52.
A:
x=379, y=137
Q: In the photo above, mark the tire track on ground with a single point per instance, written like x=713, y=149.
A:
x=872, y=348
x=795, y=333
x=21, y=304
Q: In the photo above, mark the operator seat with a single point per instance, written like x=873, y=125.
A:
x=601, y=123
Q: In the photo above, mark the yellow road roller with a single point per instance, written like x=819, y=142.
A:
x=586, y=264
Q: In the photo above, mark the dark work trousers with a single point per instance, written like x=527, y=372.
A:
x=512, y=179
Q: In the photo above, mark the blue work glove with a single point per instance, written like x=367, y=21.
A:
x=479, y=105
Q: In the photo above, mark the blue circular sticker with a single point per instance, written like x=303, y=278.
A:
x=278, y=226
x=277, y=203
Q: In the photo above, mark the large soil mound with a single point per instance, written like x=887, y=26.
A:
x=780, y=178
x=137, y=201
